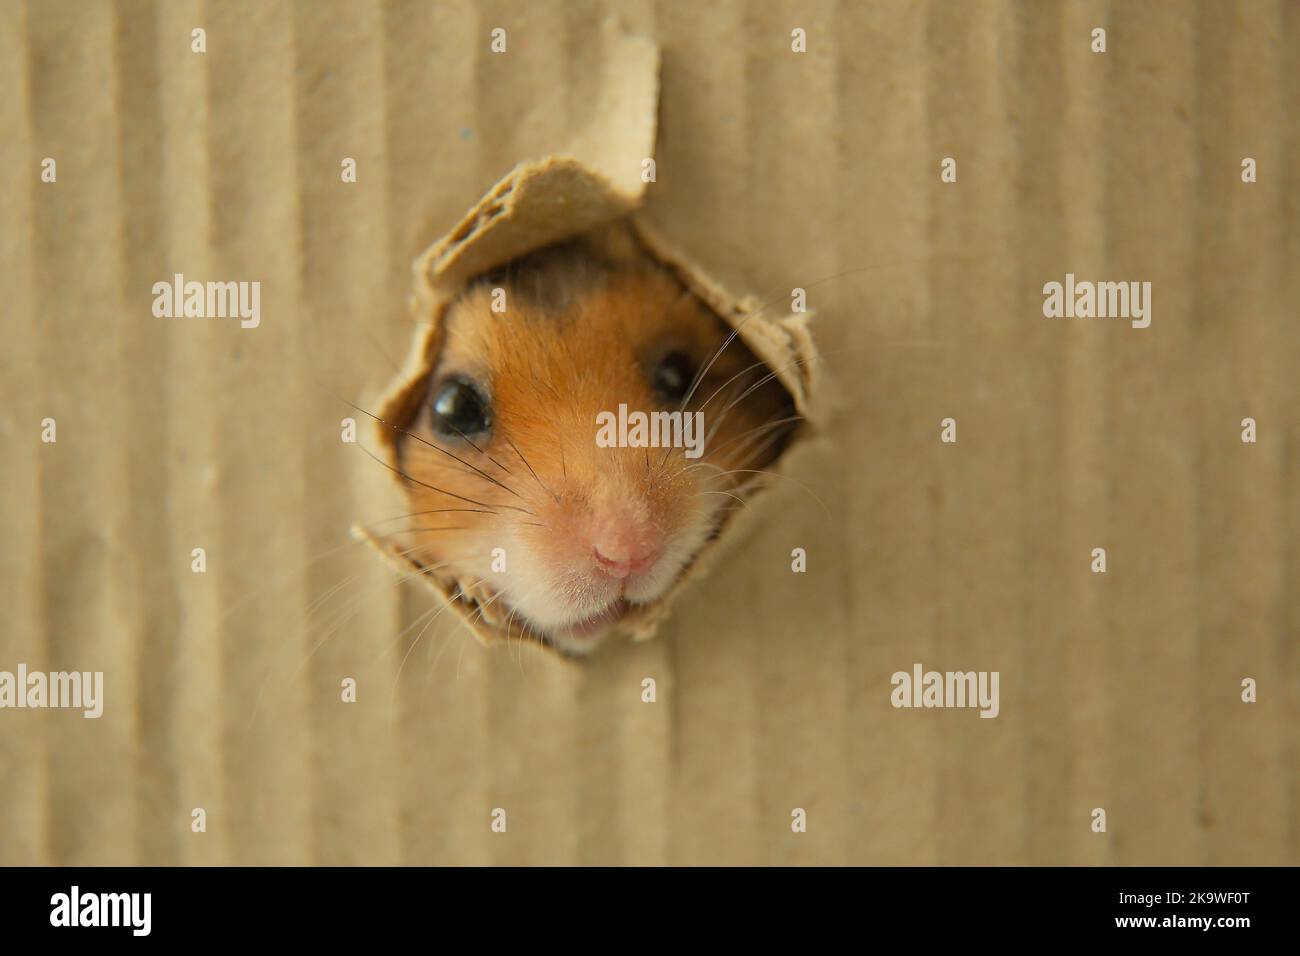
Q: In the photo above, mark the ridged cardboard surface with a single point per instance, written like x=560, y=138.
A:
x=775, y=170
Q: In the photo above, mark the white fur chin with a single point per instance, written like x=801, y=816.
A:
x=580, y=630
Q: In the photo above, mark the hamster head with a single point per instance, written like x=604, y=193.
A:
x=528, y=473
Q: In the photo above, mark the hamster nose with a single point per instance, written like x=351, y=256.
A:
x=621, y=549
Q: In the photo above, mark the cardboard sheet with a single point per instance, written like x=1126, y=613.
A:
x=223, y=689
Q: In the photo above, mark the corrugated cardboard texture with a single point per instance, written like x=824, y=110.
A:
x=818, y=170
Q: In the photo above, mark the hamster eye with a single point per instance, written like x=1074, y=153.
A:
x=673, y=376
x=459, y=409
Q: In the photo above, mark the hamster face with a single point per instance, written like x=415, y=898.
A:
x=514, y=488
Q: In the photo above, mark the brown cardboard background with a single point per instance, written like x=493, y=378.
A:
x=776, y=170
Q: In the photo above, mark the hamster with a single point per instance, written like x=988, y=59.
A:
x=509, y=481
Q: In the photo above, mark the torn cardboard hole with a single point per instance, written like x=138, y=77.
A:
x=551, y=200
x=538, y=204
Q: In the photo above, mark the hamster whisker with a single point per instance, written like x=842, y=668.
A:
x=430, y=568
x=409, y=434
x=745, y=394
x=435, y=511
x=478, y=613
x=759, y=450
x=320, y=601
x=779, y=428
x=519, y=653
x=471, y=444
x=440, y=606
x=727, y=493
x=333, y=623
x=273, y=582
x=432, y=615
x=754, y=387
x=404, y=552
x=340, y=616
x=773, y=474
x=717, y=423
x=745, y=371
x=398, y=471
x=458, y=527
x=460, y=591
x=713, y=429
x=756, y=441
x=530, y=469
x=751, y=433
x=433, y=667
x=759, y=384
x=704, y=369
x=527, y=634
